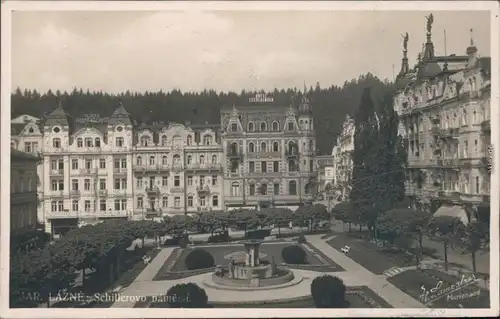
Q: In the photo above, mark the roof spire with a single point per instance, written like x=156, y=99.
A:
x=404, y=62
x=471, y=37
x=471, y=50
x=429, y=46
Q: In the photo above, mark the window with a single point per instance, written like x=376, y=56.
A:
x=151, y=160
x=251, y=167
x=251, y=147
x=276, y=166
x=250, y=127
x=189, y=159
x=102, y=184
x=74, y=184
x=263, y=126
x=263, y=167
x=139, y=182
x=34, y=146
x=145, y=140
x=290, y=126
x=27, y=147
x=164, y=160
x=263, y=189
x=177, y=202
x=56, y=142
x=124, y=163
x=214, y=159
x=117, y=204
x=117, y=183
x=140, y=202
x=87, y=206
x=88, y=142
x=311, y=166
x=311, y=145
x=164, y=181
x=215, y=201
x=202, y=159
x=163, y=140
x=86, y=184
x=292, y=188
x=466, y=149
x=189, y=140
x=139, y=161
x=477, y=184
x=119, y=142
x=164, y=201
x=97, y=142
x=54, y=185
x=74, y=164
x=276, y=189
x=276, y=147
x=117, y=163
x=177, y=159
x=74, y=205
x=124, y=204
x=214, y=180
x=88, y=163
x=252, y=189
x=102, y=205
x=234, y=127
x=292, y=166
x=207, y=140
x=190, y=201
x=276, y=126
x=102, y=163
x=60, y=205
x=234, y=166
x=202, y=201
x=263, y=147
x=190, y=180
x=177, y=181
x=235, y=189
x=79, y=142
x=202, y=180
x=475, y=147
x=53, y=206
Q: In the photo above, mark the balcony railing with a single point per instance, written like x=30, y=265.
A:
x=57, y=172
x=87, y=171
x=292, y=154
x=234, y=154
x=449, y=133
x=103, y=192
x=263, y=154
x=177, y=189
x=120, y=170
x=176, y=167
x=204, y=167
x=203, y=189
x=152, y=190
x=74, y=193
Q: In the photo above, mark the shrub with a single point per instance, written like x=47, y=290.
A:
x=187, y=296
x=328, y=292
x=219, y=238
x=301, y=239
x=199, y=259
x=294, y=255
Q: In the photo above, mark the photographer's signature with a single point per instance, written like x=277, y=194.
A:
x=428, y=296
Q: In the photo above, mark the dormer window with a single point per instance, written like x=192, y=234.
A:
x=56, y=143
x=119, y=141
x=290, y=126
x=97, y=142
x=56, y=129
x=79, y=142
x=234, y=127
x=163, y=140
x=88, y=142
x=145, y=141
x=189, y=140
x=31, y=130
x=207, y=140
x=119, y=128
x=250, y=127
x=276, y=126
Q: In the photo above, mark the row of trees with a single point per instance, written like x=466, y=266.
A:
x=330, y=105
x=39, y=273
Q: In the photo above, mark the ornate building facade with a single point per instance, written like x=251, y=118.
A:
x=269, y=154
x=443, y=105
x=342, y=153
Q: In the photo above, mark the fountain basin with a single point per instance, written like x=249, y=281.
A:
x=284, y=278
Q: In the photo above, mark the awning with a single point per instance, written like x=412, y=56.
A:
x=453, y=211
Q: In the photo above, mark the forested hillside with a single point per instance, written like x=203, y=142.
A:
x=330, y=105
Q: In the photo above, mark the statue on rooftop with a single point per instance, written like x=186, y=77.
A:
x=405, y=41
x=430, y=20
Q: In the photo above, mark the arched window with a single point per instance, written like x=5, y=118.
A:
x=88, y=142
x=276, y=147
x=139, y=160
x=202, y=159
x=263, y=126
x=145, y=141
x=97, y=142
x=234, y=166
x=189, y=140
x=177, y=141
x=292, y=166
x=164, y=160
x=207, y=140
x=234, y=147
x=189, y=159
x=56, y=142
x=235, y=189
x=177, y=159
x=214, y=159
x=263, y=147
x=292, y=187
x=151, y=160
x=79, y=142
x=292, y=148
x=250, y=127
x=251, y=147
x=276, y=126
x=163, y=140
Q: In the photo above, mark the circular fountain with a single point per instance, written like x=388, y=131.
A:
x=246, y=271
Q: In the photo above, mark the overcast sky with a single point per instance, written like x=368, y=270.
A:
x=231, y=50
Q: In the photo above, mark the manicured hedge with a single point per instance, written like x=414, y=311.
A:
x=199, y=259
x=294, y=255
x=328, y=292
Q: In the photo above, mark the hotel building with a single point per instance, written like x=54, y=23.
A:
x=342, y=165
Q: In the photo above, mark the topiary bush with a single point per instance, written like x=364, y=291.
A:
x=187, y=296
x=294, y=255
x=329, y=292
x=301, y=239
x=199, y=259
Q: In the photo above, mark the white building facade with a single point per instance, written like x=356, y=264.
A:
x=343, y=164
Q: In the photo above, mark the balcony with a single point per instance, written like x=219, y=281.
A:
x=103, y=193
x=177, y=189
x=449, y=133
x=57, y=172
x=215, y=167
x=486, y=126
x=119, y=171
x=264, y=155
x=87, y=171
x=234, y=154
x=153, y=191
x=292, y=154
x=74, y=193
x=57, y=194
x=176, y=168
x=203, y=189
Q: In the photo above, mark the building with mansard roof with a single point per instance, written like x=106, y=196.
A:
x=268, y=154
x=443, y=105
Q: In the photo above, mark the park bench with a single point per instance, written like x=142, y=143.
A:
x=345, y=249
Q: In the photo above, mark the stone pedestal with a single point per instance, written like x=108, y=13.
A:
x=254, y=281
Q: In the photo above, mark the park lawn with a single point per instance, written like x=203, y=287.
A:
x=358, y=297
x=411, y=282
